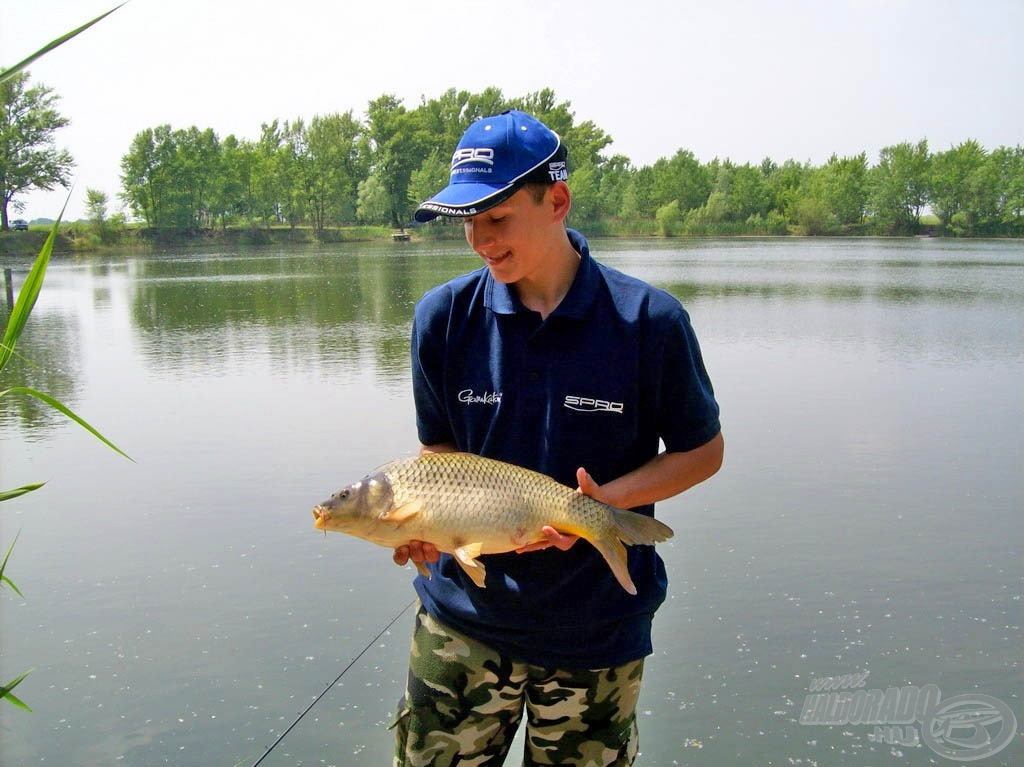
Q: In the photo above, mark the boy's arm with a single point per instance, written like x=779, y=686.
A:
x=665, y=475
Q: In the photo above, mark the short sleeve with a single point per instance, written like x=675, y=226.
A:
x=688, y=412
x=429, y=331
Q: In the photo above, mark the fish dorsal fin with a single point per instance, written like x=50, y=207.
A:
x=466, y=555
x=399, y=515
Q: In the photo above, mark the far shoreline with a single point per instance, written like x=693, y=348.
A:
x=81, y=237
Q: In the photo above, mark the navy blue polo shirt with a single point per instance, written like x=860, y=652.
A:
x=613, y=370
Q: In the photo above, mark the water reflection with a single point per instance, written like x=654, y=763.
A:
x=349, y=309
x=345, y=309
x=47, y=360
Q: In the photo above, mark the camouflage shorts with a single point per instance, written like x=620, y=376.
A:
x=464, y=702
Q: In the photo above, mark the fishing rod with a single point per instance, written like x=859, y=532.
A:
x=336, y=680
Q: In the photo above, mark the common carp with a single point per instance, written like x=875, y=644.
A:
x=467, y=505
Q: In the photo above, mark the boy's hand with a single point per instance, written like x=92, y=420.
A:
x=563, y=541
x=417, y=552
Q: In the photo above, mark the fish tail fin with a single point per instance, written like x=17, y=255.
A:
x=629, y=528
x=634, y=528
x=614, y=554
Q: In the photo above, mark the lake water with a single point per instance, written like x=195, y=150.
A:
x=180, y=609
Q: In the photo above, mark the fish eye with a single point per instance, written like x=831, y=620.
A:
x=343, y=494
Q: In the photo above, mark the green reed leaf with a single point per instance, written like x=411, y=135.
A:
x=6, y=495
x=9, y=73
x=28, y=294
x=6, y=694
x=3, y=566
x=62, y=408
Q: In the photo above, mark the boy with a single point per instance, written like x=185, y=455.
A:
x=547, y=359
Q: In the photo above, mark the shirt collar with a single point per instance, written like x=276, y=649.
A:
x=501, y=299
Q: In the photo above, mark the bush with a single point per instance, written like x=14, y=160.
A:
x=669, y=219
x=813, y=217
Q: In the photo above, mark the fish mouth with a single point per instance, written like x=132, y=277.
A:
x=321, y=516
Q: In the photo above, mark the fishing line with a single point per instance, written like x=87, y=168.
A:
x=336, y=680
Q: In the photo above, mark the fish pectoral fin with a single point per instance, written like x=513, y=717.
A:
x=466, y=555
x=399, y=515
x=423, y=569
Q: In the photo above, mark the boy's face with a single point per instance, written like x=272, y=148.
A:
x=511, y=237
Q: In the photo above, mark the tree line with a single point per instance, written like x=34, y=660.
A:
x=340, y=169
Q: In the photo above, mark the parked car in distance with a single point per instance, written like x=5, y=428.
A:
x=19, y=225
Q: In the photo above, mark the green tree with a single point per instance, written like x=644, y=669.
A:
x=293, y=171
x=1008, y=165
x=105, y=228
x=638, y=195
x=616, y=176
x=374, y=205
x=949, y=178
x=680, y=178
x=715, y=210
x=269, y=174
x=399, y=142
x=898, y=187
x=586, y=197
x=172, y=177
x=544, y=105
x=445, y=118
x=28, y=157
x=146, y=177
x=336, y=161
x=844, y=187
x=784, y=184
x=229, y=195
x=96, y=206
x=745, y=191
x=432, y=175
x=586, y=143
x=965, y=186
x=195, y=171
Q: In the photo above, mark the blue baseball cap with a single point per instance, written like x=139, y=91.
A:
x=495, y=157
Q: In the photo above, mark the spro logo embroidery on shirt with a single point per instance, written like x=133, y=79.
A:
x=468, y=397
x=591, y=405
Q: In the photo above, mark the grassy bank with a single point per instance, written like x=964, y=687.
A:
x=86, y=238
x=30, y=243
x=83, y=237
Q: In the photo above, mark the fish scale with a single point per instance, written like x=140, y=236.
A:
x=471, y=506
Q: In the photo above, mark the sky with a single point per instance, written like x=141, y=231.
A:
x=736, y=79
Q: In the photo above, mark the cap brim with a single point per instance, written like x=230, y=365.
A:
x=461, y=200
